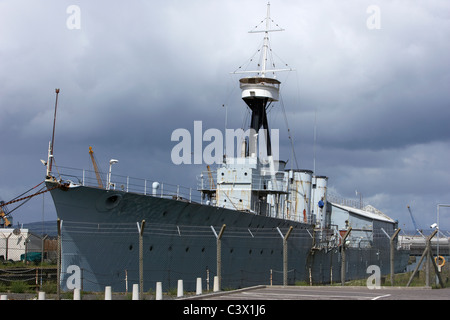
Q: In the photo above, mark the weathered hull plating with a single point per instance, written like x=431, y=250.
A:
x=100, y=237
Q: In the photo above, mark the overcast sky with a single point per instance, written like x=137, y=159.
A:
x=131, y=72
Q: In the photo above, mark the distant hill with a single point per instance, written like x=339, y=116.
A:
x=42, y=227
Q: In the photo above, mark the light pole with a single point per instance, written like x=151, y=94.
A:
x=111, y=162
x=438, y=225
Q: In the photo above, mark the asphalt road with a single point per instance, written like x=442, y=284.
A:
x=330, y=293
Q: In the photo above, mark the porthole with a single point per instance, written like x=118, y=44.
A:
x=130, y=247
x=151, y=248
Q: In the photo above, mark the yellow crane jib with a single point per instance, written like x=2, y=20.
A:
x=97, y=171
x=211, y=179
x=6, y=222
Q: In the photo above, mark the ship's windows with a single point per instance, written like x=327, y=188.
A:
x=223, y=174
x=240, y=200
x=224, y=200
x=250, y=251
x=151, y=248
x=245, y=173
x=130, y=247
x=231, y=250
x=261, y=252
x=203, y=249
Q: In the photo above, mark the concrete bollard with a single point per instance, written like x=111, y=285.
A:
x=3, y=297
x=159, y=291
x=76, y=294
x=216, y=284
x=199, y=286
x=108, y=293
x=135, y=292
x=180, y=291
x=41, y=295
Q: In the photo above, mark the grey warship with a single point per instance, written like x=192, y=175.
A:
x=275, y=225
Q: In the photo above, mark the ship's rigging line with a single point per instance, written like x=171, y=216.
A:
x=288, y=131
x=26, y=198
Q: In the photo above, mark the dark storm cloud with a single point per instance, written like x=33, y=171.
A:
x=135, y=72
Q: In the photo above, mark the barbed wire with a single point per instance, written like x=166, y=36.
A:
x=155, y=229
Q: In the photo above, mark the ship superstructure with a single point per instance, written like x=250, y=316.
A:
x=256, y=180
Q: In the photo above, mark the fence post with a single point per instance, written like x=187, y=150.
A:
x=285, y=255
x=391, y=241
x=426, y=253
x=58, y=260
x=219, y=254
x=343, y=260
x=141, y=258
x=42, y=257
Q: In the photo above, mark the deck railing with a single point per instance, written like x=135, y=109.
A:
x=129, y=184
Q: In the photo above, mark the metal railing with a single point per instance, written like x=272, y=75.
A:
x=130, y=184
x=208, y=181
x=345, y=202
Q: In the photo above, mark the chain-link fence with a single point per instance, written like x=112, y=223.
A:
x=27, y=261
x=94, y=256
x=119, y=255
x=99, y=255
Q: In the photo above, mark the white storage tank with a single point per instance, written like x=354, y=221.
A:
x=319, y=198
x=299, y=182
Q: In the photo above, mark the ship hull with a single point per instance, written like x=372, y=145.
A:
x=101, y=241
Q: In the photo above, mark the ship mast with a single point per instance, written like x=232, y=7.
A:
x=266, y=42
x=260, y=91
